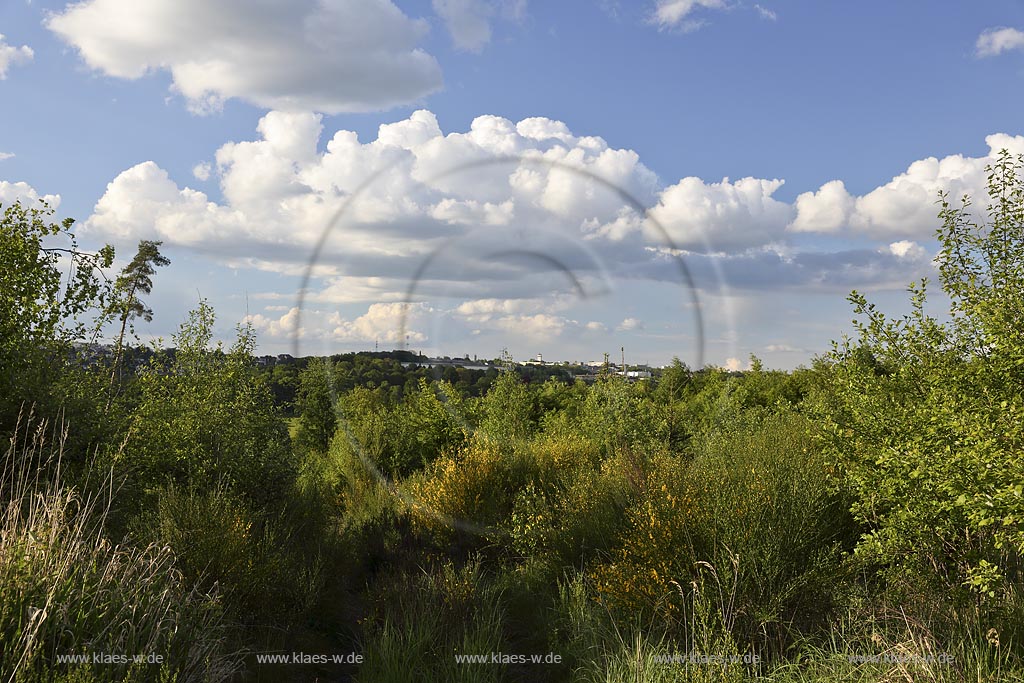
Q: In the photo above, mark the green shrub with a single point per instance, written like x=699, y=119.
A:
x=618, y=415
x=757, y=496
x=263, y=578
x=315, y=404
x=923, y=416
x=48, y=288
x=206, y=420
x=468, y=496
x=405, y=437
x=510, y=412
x=573, y=511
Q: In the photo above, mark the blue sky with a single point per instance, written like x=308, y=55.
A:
x=113, y=104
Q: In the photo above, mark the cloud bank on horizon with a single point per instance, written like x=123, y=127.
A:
x=280, y=192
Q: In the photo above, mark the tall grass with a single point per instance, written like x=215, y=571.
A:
x=65, y=588
x=602, y=649
x=896, y=647
x=419, y=625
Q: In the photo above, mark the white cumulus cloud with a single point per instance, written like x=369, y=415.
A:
x=13, y=56
x=995, y=41
x=722, y=216
x=540, y=326
x=826, y=210
x=281, y=327
x=735, y=365
x=26, y=194
x=523, y=229
x=323, y=55
x=202, y=171
x=383, y=322
x=906, y=205
x=280, y=192
x=906, y=249
x=678, y=13
x=481, y=310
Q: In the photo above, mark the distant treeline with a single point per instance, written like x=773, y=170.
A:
x=385, y=370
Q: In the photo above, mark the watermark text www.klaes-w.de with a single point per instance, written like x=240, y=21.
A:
x=508, y=658
x=699, y=658
x=941, y=658
x=108, y=658
x=308, y=658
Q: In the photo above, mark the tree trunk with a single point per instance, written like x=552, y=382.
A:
x=120, y=341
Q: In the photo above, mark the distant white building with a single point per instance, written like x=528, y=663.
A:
x=431, y=363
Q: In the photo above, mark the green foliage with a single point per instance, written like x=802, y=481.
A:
x=509, y=411
x=206, y=419
x=468, y=495
x=617, y=415
x=221, y=544
x=418, y=624
x=574, y=514
x=760, y=388
x=315, y=405
x=756, y=496
x=599, y=648
x=125, y=304
x=615, y=524
x=674, y=382
x=401, y=438
x=923, y=415
x=48, y=288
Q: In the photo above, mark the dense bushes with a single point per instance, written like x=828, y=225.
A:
x=50, y=291
x=753, y=503
x=205, y=420
x=400, y=437
x=922, y=416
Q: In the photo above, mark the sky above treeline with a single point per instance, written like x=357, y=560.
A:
x=705, y=179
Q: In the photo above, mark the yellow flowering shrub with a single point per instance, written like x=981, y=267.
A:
x=657, y=548
x=757, y=498
x=473, y=490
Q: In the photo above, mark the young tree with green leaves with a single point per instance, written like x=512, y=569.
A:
x=510, y=411
x=206, y=419
x=924, y=417
x=315, y=403
x=673, y=383
x=48, y=289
